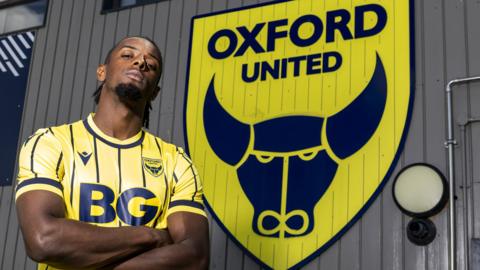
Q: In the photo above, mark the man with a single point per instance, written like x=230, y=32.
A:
x=103, y=192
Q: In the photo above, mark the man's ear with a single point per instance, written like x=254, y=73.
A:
x=155, y=93
x=101, y=73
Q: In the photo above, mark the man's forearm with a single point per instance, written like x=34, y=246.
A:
x=67, y=243
x=51, y=238
x=182, y=255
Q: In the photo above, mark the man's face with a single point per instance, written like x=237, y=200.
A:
x=135, y=64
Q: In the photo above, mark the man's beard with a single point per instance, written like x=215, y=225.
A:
x=128, y=92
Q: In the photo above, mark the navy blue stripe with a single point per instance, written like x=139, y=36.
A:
x=96, y=159
x=164, y=179
x=32, y=154
x=175, y=177
x=119, y=171
x=158, y=147
x=166, y=187
x=73, y=170
x=58, y=164
x=50, y=129
x=195, y=180
x=164, y=201
x=141, y=166
x=194, y=176
x=46, y=181
x=186, y=203
x=156, y=219
x=137, y=143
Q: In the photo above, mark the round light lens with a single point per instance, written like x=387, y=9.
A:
x=420, y=190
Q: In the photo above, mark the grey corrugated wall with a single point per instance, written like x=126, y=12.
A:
x=76, y=38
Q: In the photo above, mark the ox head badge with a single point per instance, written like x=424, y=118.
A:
x=287, y=167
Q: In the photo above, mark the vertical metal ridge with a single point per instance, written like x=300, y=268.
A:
x=451, y=259
x=88, y=38
x=97, y=18
x=177, y=77
x=54, y=62
x=7, y=234
x=165, y=54
x=42, y=65
x=360, y=242
x=380, y=197
x=141, y=23
x=65, y=57
x=45, y=85
x=128, y=21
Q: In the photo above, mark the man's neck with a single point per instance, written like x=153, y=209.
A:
x=117, y=120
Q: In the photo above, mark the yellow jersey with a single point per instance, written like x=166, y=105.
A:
x=110, y=182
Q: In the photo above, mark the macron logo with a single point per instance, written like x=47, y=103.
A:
x=85, y=157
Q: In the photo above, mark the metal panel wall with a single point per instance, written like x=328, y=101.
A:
x=77, y=37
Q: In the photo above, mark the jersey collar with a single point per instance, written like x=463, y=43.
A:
x=114, y=142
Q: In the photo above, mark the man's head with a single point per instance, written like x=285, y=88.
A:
x=132, y=69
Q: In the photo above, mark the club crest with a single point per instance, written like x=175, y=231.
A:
x=298, y=121
x=153, y=166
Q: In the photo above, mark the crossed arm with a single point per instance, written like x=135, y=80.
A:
x=53, y=239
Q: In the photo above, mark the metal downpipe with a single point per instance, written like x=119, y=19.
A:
x=450, y=143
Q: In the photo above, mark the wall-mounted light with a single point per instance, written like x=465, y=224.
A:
x=420, y=191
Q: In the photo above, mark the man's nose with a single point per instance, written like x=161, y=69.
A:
x=141, y=63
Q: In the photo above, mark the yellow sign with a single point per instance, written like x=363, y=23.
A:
x=295, y=116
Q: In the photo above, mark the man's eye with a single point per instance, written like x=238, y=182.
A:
x=126, y=56
x=152, y=67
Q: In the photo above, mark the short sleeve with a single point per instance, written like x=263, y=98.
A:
x=40, y=164
x=187, y=193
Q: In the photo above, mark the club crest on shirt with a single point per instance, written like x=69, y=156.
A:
x=153, y=166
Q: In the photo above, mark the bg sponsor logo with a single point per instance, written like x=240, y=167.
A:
x=135, y=206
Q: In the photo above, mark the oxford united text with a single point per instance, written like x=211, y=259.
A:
x=240, y=39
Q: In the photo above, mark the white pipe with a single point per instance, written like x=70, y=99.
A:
x=449, y=143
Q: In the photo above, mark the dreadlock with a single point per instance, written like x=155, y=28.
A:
x=148, y=106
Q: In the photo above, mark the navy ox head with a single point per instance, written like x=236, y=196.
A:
x=285, y=170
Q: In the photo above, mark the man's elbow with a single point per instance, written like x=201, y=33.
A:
x=41, y=246
x=202, y=259
x=194, y=257
x=202, y=262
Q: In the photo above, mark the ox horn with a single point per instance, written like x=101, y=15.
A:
x=350, y=129
x=228, y=137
